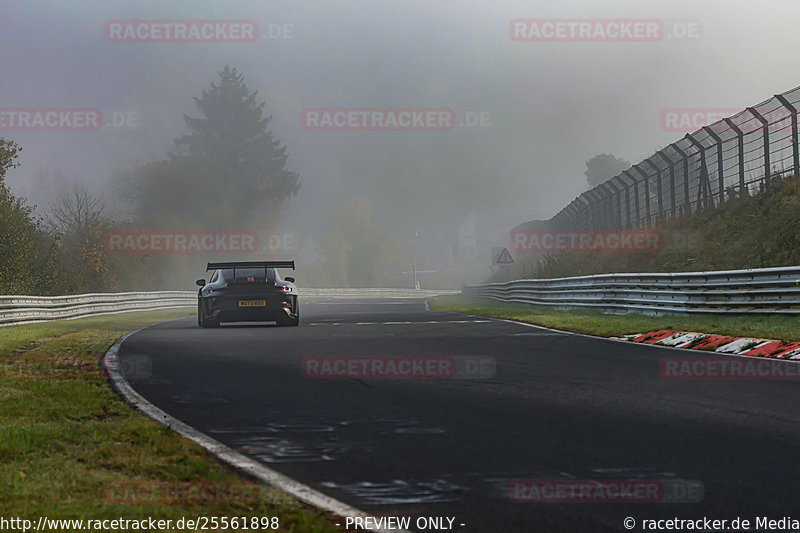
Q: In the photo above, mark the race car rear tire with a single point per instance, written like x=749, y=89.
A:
x=289, y=321
x=204, y=322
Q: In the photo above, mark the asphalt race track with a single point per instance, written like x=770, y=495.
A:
x=551, y=407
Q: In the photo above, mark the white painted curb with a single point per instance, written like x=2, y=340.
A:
x=238, y=461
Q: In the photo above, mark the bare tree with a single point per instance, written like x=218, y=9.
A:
x=76, y=214
x=79, y=221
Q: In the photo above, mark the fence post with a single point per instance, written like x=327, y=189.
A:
x=608, y=209
x=628, y=211
x=688, y=204
x=720, y=178
x=597, y=214
x=619, y=201
x=765, y=133
x=671, y=163
x=658, y=188
x=795, y=155
x=585, y=211
x=646, y=193
x=565, y=213
x=575, y=215
x=740, y=137
x=703, y=181
x=589, y=208
x=635, y=194
x=590, y=197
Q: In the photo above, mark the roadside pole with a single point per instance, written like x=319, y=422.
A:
x=502, y=258
x=414, y=260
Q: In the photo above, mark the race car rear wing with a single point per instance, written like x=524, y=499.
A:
x=251, y=264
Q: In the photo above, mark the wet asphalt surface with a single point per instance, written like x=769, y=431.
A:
x=526, y=404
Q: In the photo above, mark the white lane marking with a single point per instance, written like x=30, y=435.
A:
x=359, y=302
x=609, y=339
x=398, y=323
x=235, y=459
x=538, y=335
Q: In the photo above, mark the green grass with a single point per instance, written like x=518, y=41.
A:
x=70, y=448
x=754, y=231
x=594, y=322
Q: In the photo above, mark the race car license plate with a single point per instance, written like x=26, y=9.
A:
x=252, y=303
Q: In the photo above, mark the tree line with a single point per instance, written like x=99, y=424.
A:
x=228, y=172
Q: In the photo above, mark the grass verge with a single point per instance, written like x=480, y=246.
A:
x=70, y=448
x=595, y=322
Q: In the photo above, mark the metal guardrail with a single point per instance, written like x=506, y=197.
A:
x=19, y=309
x=373, y=293
x=756, y=291
x=16, y=309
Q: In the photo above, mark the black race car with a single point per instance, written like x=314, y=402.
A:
x=247, y=291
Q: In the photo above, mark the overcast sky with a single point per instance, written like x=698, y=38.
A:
x=550, y=105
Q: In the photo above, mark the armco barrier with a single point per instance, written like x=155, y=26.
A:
x=762, y=291
x=372, y=293
x=14, y=309
x=17, y=309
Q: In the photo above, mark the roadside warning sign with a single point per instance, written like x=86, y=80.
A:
x=500, y=256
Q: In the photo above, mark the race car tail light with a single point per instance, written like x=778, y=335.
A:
x=286, y=304
x=282, y=288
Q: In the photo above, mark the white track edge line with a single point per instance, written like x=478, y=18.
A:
x=225, y=454
x=629, y=343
